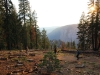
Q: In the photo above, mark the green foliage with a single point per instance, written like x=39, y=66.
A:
x=71, y=45
x=19, y=30
x=89, y=27
x=94, y=16
x=50, y=62
x=45, y=41
x=24, y=9
x=82, y=32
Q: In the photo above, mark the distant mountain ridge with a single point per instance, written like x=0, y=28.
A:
x=66, y=33
x=48, y=29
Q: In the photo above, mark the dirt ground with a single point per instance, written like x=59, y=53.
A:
x=22, y=63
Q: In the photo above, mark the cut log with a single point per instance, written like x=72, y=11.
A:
x=30, y=60
x=3, y=58
x=31, y=54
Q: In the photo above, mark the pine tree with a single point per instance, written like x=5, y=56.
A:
x=82, y=32
x=90, y=36
x=68, y=45
x=39, y=40
x=45, y=41
x=2, y=39
x=73, y=45
x=31, y=29
x=8, y=7
x=24, y=9
x=94, y=23
x=15, y=29
x=34, y=15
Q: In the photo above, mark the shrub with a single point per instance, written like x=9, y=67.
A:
x=50, y=62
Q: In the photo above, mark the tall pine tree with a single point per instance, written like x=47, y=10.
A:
x=94, y=22
x=82, y=32
x=45, y=41
x=24, y=8
x=92, y=26
x=8, y=7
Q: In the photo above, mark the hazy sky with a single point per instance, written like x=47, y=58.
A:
x=57, y=12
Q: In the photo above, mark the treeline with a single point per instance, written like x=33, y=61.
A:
x=20, y=30
x=63, y=45
x=89, y=27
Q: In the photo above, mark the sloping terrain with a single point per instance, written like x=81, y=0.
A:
x=20, y=63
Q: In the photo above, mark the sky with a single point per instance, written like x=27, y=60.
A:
x=57, y=12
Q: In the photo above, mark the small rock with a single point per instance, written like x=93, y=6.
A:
x=80, y=66
x=78, y=71
x=31, y=70
x=18, y=65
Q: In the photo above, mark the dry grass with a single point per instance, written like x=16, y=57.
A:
x=68, y=63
